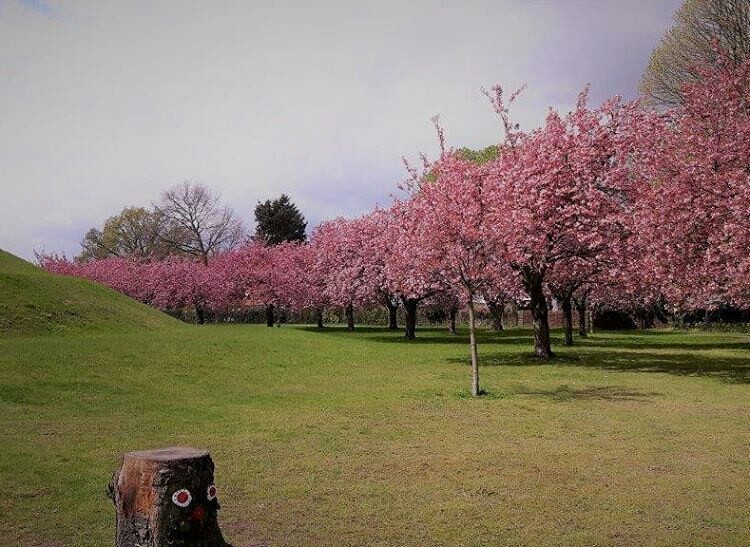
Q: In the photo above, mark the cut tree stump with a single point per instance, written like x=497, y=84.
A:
x=166, y=498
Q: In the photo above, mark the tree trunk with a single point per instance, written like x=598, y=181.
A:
x=392, y=312
x=644, y=318
x=410, y=306
x=269, y=315
x=496, y=311
x=200, y=314
x=581, y=309
x=567, y=309
x=473, y=351
x=166, y=497
x=319, y=317
x=542, y=345
x=452, y=313
x=350, y=317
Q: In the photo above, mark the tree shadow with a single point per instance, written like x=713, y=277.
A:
x=565, y=393
x=728, y=369
x=427, y=335
x=626, y=351
x=636, y=343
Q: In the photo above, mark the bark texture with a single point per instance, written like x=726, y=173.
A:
x=319, y=317
x=410, y=328
x=200, y=314
x=350, y=317
x=392, y=312
x=269, y=315
x=146, y=490
x=452, y=313
x=539, y=314
x=581, y=309
x=496, y=309
x=567, y=309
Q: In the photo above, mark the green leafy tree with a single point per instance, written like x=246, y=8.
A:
x=480, y=156
x=700, y=26
x=134, y=232
x=279, y=220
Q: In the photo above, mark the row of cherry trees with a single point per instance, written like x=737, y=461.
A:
x=614, y=205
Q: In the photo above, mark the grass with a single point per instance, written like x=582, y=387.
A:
x=33, y=301
x=334, y=438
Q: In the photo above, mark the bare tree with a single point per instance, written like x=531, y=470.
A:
x=700, y=26
x=197, y=223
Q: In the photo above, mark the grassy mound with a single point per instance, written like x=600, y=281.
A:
x=33, y=301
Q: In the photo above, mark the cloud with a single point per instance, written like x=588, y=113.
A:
x=116, y=101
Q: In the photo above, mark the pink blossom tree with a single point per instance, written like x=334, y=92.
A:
x=559, y=198
x=410, y=267
x=348, y=282
x=694, y=190
x=449, y=238
x=126, y=275
x=178, y=283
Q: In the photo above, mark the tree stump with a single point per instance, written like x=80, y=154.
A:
x=166, y=498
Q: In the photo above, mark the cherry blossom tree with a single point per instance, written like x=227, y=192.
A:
x=178, y=283
x=126, y=275
x=348, y=282
x=310, y=292
x=410, y=267
x=559, y=197
x=378, y=240
x=692, y=216
x=454, y=239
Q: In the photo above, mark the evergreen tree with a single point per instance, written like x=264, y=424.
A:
x=279, y=220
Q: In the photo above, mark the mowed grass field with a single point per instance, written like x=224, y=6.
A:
x=336, y=438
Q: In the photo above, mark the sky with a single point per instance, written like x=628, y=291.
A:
x=104, y=104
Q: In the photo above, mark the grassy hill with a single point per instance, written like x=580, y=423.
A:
x=33, y=301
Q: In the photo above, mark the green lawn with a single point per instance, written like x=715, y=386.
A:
x=332, y=438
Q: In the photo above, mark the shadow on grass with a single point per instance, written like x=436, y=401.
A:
x=729, y=369
x=426, y=335
x=593, y=393
x=636, y=342
x=625, y=350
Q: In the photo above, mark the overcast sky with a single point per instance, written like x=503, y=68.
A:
x=105, y=103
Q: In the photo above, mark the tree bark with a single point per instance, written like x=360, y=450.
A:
x=319, y=317
x=350, y=317
x=269, y=315
x=496, y=311
x=473, y=351
x=452, y=313
x=533, y=284
x=166, y=497
x=581, y=309
x=410, y=306
x=392, y=312
x=644, y=318
x=200, y=314
x=567, y=309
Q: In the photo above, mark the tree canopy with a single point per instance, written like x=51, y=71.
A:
x=279, y=220
x=133, y=232
x=701, y=30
